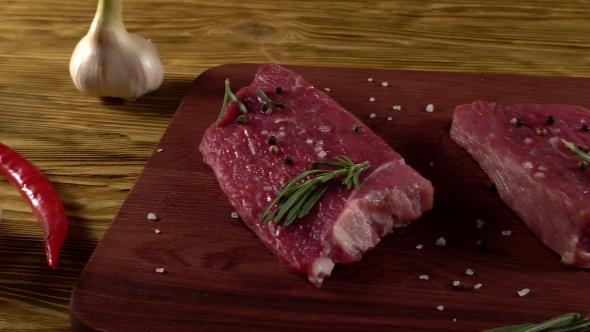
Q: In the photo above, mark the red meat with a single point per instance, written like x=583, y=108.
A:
x=520, y=149
x=311, y=127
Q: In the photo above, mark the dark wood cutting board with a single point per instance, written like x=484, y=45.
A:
x=219, y=276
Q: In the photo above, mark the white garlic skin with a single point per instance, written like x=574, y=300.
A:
x=110, y=62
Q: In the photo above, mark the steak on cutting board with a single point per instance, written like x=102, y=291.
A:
x=520, y=149
x=252, y=161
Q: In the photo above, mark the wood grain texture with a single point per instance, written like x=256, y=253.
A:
x=219, y=276
x=94, y=150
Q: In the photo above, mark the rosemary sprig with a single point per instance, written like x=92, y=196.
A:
x=577, y=151
x=226, y=98
x=564, y=323
x=267, y=100
x=299, y=195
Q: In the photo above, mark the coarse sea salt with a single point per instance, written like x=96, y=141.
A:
x=372, y=99
x=327, y=89
x=322, y=154
x=441, y=242
x=469, y=272
x=527, y=164
x=372, y=115
x=480, y=223
x=152, y=216
x=234, y=214
x=440, y=307
x=385, y=84
x=506, y=233
x=389, y=118
x=159, y=150
x=431, y=163
x=513, y=120
x=539, y=175
x=423, y=277
x=419, y=246
x=157, y=231
x=477, y=286
x=523, y=292
x=528, y=140
x=430, y=108
x=397, y=108
x=456, y=283
x=370, y=79
x=160, y=270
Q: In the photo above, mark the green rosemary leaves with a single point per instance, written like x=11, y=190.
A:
x=300, y=194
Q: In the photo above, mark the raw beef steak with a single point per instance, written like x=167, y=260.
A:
x=537, y=176
x=252, y=161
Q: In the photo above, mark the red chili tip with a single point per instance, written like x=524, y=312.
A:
x=52, y=253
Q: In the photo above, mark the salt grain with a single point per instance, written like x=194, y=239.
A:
x=506, y=233
x=385, y=84
x=397, y=108
x=160, y=270
x=327, y=89
x=539, y=175
x=528, y=140
x=456, y=283
x=441, y=242
x=159, y=150
x=322, y=154
x=479, y=223
x=469, y=272
x=419, y=246
x=430, y=108
x=152, y=216
x=372, y=115
x=440, y=307
x=157, y=231
x=513, y=120
x=423, y=277
x=234, y=214
x=431, y=163
x=389, y=118
x=309, y=141
x=478, y=286
x=370, y=79
x=542, y=168
x=325, y=129
x=372, y=99
x=523, y=292
x=527, y=164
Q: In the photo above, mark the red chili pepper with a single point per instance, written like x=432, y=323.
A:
x=41, y=196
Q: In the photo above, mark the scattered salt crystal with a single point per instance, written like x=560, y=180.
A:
x=542, y=168
x=370, y=79
x=440, y=307
x=528, y=140
x=456, y=283
x=469, y=272
x=513, y=120
x=479, y=223
x=423, y=277
x=372, y=99
x=527, y=164
x=419, y=246
x=389, y=118
x=267, y=188
x=539, y=175
x=556, y=130
x=325, y=129
x=318, y=148
x=397, y=108
x=506, y=233
x=455, y=319
x=431, y=163
x=523, y=292
x=478, y=286
x=385, y=84
x=327, y=89
x=372, y=115
x=159, y=150
x=430, y=108
x=234, y=214
x=322, y=154
x=441, y=242
x=160, y=270
x=152, y=216
x=309, y=141
x=281, y=128
x=264, y=132
x=157, y=231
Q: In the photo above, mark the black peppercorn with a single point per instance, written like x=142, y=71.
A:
x=314, y=166
x=271, y=139
x=288, y=160
x=492, y=187
x=520, y=122
x=585, y=128
x=279, y=90
x=264, y=108
x=481, y=244
x=550, y=120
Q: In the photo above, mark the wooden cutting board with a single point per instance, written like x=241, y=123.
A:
x=219, y=276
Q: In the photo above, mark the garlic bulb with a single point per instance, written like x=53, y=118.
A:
x=110, y=62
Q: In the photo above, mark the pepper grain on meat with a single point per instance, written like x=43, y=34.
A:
x=38, y=191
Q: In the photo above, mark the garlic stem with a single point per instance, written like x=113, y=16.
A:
x=110, y=62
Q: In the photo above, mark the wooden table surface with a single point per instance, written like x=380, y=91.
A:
x=94, y=150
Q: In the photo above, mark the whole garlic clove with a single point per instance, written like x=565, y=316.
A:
x=110, y=62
